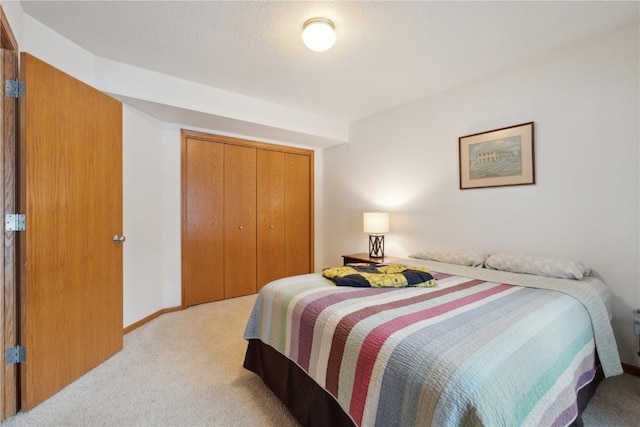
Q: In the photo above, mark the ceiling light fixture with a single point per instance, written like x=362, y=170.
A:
x=318, y=34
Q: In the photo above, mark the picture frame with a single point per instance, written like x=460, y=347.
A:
x=497, y=158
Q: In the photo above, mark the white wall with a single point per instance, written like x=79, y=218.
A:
x=58, y=51
x=13, y=11
x=584, y=101
x=184, y=97
x=151, y=180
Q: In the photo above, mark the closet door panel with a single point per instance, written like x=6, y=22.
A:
x=271, y=219
x=297, y=214
x=240, y=221
x=203, y=222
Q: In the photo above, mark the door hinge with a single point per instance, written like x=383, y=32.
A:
x=14, y=88
x=17, y=354
x=14, y=222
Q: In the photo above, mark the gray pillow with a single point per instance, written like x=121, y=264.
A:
x=452, y=256
x=562, y=268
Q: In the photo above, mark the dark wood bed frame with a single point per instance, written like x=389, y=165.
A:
x=315, y=407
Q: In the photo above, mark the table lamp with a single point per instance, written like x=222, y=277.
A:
x=376, y=223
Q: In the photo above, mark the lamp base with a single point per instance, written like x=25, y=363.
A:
x=376, y=246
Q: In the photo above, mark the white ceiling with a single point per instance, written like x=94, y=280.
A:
x=387, y=53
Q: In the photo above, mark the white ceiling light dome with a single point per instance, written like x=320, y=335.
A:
x=318, y=34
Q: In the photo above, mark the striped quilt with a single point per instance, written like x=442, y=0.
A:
x=477, y=351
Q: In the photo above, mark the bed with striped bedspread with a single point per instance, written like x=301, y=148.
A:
x=482, y=348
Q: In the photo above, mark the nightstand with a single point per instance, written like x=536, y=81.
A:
x=364, y=257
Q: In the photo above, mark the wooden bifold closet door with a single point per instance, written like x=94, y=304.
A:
x=298, y=214
x=284, y=216
x=271, y=204
x=247, y=215
x=203, y=225
x=239, y=221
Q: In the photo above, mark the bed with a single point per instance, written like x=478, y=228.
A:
x=483, y=347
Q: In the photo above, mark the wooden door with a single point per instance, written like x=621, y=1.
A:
x=202, y=221
x=240, y=220
x=271, y=216
x=8, y=308
x=70, y=188
x=298, y=203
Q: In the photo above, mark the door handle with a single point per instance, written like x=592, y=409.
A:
x=118, y=239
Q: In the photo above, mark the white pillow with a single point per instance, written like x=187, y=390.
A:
x=539, y=265
x=452, y=256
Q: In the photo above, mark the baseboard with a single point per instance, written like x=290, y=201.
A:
x=150, y=318
x=630, y=369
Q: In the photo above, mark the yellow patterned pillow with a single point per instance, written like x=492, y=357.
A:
x=380, y=276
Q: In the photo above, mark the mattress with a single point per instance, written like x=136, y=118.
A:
x=482, y=348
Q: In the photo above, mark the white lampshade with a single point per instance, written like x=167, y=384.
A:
x=318, y=34
x=375, y=222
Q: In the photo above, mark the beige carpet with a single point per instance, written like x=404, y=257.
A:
x=185, y=369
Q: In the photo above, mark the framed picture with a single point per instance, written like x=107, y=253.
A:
x=497, y=157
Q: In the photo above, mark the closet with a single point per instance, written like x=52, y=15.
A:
x=247, y=215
